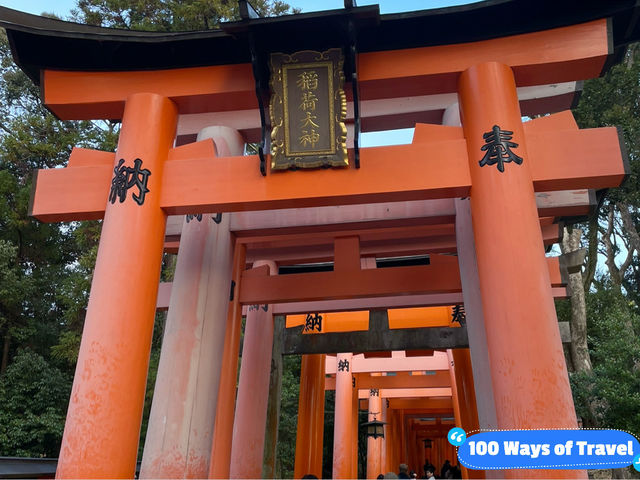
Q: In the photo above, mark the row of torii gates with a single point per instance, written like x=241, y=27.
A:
x=399, y=241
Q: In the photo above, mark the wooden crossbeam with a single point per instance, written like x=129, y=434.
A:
x=439, y=338
x=440, y=211
x=420, y=404
x=439, y=379
x=579, y=52
x=429, y=338
x=441, y=276
x=408, y=393
x=437, y=168
x=396, y=364
x=398, y=301
x=385, y=114
x=415, y=243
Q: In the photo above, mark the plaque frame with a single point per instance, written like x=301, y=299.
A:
x=283, y=156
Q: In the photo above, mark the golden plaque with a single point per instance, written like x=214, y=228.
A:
x=308, y=109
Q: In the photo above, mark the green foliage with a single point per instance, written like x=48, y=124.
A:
x=44, y=268
x=34, y=397
x=167, y=15
x=614, y=100
x=609, y=396
x=287, y=427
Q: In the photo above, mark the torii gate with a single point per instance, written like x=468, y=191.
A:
x=153, y=82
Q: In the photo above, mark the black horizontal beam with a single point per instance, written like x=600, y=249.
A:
x=429, y=338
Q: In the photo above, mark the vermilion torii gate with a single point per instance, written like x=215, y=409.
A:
x=162, y=85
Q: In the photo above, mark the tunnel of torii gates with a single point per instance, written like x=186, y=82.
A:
x=370, y=263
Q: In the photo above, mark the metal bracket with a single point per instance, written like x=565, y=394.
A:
x=247, y=12
x=352, y=54
x=232, y=290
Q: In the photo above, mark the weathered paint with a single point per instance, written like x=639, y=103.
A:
x=178, y=441
x=247, y=449
x=105, y=411
x=530, y=381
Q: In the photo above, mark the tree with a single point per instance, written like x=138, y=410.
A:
x=168, y=15
x=614, y=100
x=33, y=395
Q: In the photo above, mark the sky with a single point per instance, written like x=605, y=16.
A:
x=62, y=7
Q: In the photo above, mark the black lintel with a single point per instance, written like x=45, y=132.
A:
x=428, y=338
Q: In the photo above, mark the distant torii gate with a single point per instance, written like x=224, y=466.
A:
x=494, y=162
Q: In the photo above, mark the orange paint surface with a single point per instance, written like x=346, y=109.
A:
x=105, y=410
x=223, y=431
x=563, y=160
x=95, y=95
x=529, y=376
x=398, y=318
x=558, y=55
x=441, y=276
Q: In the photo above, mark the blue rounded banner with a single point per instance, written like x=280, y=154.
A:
x=554, y=449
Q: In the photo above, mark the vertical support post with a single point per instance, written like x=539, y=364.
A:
x=464, y=405
x=105, y=411
x=223, y=430
x=467, y=262
x=310, y=430
x=395, y=443
x=403, y=437
x=342, y=450
x=455, y=399
x=178, y=441
x=530, y=380
x=374, y=445
x=317, y=427
x=355, y=413
x=385, y=445
x=247, y=449
x=273, y=410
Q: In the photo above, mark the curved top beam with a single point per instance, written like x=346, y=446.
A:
x=40, y=43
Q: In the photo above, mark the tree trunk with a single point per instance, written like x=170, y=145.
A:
x=5, y=352
x=579, y=350
x=592, y=252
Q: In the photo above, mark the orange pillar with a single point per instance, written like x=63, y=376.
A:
x=342, y=449
x=530, y=381
x=317, y=427
x=384, y=445
x=395, y=445
x=310, y=429
x=178, y=440
x=389, y=439
x=247, y=448
x=105, y=411
x=466, y=390
x=374, y=445
x=355, y=407
x=223, y=430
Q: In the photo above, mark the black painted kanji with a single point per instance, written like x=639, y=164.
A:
x=313, y=322
x=192, y=216
x=374, y=392
x=459, y=315
x=343, y=365
x=498, y=148
x=126, y=177
x=254, y=308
